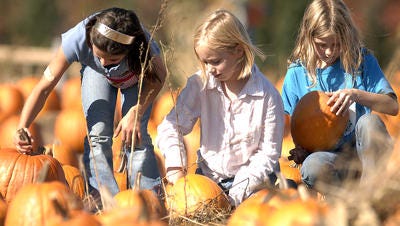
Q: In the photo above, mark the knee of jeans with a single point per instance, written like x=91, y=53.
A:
x=310, y=170
x=369, y=122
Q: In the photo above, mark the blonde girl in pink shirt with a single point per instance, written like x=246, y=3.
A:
x=240, y=111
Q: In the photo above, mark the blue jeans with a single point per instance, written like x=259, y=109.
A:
x=372, y=142
x=99, y=101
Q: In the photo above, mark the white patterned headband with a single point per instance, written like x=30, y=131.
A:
x=113, y=34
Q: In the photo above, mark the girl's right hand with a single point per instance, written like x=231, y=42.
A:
x=23, y=141
x=173, y=174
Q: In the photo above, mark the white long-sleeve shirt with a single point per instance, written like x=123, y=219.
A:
x=241, y=138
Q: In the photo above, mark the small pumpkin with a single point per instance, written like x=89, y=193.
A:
x=193, y=193
x=143, y=198
x=313, y=126
x=75, y=180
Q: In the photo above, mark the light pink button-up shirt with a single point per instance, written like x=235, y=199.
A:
x=240, y=138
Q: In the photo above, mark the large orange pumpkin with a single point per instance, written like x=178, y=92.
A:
x=34, y=203
x=193, y=193
x=17, y=170
x=313, y=126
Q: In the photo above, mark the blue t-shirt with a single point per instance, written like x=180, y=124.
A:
x=369, y=78
x=76, y=50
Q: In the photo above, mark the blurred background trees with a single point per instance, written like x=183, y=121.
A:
x=273, y=25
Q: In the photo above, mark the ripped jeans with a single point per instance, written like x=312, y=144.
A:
x=99, y=102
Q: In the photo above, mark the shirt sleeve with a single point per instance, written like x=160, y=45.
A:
x=73, y=42
x=179, y=122
x=374, y=78
x=289, y=88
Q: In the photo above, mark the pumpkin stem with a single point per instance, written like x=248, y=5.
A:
x=59, y=209
x=43, y=172
x=144, y=212
x=136, y=185
x=282, y=181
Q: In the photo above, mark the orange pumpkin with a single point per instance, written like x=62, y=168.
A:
x=8, y=128
x=163, y=105
x=11, y=99
x=313, y=126
x=127, y=217
x=75, y=180
x=26, y=85
x=70, y=129
x=64, y=154
x=195, y=192
x=289, y=171
x=33, y=204
x=73, y=218
x=17, y=170
x=298, y=212
x=137, y=199
x=256, y=209
x=71, y=94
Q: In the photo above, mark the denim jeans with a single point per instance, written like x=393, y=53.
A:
x=99, y=102
x=372, y=142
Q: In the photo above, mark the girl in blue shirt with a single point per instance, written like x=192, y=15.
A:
x=112, y=47
x=329, y=56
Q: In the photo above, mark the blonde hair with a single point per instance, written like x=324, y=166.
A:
x=324, y=18
x=223, y=31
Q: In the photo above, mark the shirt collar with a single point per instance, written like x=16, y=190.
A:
x=253, y=86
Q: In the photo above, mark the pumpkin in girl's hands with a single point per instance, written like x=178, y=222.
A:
x=313, y=126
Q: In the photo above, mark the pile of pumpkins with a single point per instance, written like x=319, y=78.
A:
x=50, y=188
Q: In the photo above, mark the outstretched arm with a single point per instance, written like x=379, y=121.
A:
x=38, y=96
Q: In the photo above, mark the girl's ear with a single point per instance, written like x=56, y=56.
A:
x=238, y=51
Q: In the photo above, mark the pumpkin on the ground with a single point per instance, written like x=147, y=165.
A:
x=33, y=204
x=313, y=126
x=195, y=193
x=18, y=170
x=75, y=180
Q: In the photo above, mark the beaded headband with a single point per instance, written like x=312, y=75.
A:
x=113, y=34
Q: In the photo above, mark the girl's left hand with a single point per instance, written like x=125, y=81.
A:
x=127, y=127
x=340, y=101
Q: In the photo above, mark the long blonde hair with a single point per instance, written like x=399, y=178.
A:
x=223, y=31
x=323, y=18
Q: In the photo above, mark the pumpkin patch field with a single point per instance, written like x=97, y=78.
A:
x=49, y=187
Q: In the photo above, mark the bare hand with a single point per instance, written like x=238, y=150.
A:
x=173, y=174
x=128, y=127
x=298, y=155
x=341, y=100
x=23, y=141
